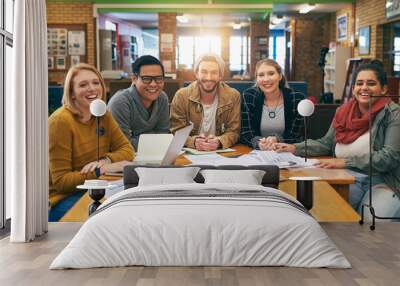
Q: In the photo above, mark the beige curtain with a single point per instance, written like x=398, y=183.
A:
x=26, y=124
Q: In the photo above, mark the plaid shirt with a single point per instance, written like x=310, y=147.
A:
x=252, y=101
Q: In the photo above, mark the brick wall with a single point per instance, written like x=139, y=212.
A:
x=311, y=33
x=258, y=28
x=167, y=25
x=225, y=38
x=371, y=13
x=73, y=13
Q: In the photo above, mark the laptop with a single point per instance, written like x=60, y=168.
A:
x=161, y=149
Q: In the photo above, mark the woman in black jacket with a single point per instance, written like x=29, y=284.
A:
x=269, y=109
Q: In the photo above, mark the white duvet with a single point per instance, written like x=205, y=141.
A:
x=183, y=231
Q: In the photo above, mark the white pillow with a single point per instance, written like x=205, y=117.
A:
x=166, y=176
x=248, y=177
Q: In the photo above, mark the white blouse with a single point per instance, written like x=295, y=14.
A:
x=359, y=147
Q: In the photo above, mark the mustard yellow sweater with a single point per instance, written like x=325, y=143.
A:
x=73, y=144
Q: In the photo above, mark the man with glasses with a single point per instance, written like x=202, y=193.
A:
x=143, y=107
x=212, y=106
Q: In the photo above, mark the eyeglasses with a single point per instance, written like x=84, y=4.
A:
x=147, y=79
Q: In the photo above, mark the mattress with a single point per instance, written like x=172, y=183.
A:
x=201, y=225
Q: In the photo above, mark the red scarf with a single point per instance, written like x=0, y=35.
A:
x=350, y=124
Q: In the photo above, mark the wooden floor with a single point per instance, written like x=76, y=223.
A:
x=375, y=256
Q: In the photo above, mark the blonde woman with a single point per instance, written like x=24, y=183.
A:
x=73, y=139
x=269, y=109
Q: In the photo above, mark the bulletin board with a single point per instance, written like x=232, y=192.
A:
x=66, y=45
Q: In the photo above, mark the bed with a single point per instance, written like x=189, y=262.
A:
x=204, y=222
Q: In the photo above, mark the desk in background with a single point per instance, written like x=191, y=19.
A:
x=329, y=206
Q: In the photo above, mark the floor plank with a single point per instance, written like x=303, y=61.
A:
x=375, y=257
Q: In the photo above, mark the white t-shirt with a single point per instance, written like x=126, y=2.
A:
x=209, y=118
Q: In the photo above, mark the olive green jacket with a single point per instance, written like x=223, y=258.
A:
x=186, y=107
x=386, y=147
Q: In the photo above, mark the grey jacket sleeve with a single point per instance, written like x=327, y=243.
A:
x=254, y=142
x=319, y=147
x=121, y=112
x=386, y=153
x=163, y=122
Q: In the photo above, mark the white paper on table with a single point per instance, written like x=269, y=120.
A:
x=207, y=159
x=217, y=160
x=244, y=160
x=256, y=157
x=283, y=160
x=197, y=152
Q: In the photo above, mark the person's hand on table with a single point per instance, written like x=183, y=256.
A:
x=116, y=167
x=90, y=167
x=267, y=143
x=207, y=143
x=213, y=142
x=284, y=147
x=331, y=163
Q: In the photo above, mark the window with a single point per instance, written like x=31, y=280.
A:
x=6, y=43
x=238, y=53
x=207, y=44
x=396, y=48
x=150, y=42
x=9, y=11
x=277, y=47
x=190, y=47
x=185, y=51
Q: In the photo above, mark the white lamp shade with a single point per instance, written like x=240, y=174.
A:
x=305, y=107
x=98, y=107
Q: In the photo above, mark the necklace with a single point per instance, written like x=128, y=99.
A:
x=272, y=113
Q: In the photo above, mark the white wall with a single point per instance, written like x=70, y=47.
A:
x=125, y=28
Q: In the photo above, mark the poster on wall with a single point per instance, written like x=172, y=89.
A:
x=342, y=27
x=76, y=43
x=167, y=65
x=50, y=63
x=57, y=42
x=167, y=38
x=75, y=60
x=392, y=8
x=166, y=45
x=60, y=63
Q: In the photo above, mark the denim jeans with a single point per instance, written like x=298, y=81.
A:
x=385, y=202
x=60, y=209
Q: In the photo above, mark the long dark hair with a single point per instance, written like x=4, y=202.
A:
x=375, y=66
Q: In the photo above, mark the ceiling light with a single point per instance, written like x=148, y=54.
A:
x=182, y=19
x=237, y=26
x=305, y=8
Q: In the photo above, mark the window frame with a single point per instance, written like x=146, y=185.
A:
x=244, y=53
x=195, y=55
x=6, y=39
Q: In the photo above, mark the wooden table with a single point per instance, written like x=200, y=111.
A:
x=329, y=206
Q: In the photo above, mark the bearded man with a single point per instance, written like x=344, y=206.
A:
x=210, y=104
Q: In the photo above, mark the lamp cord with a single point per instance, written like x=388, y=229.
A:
x=305, y=139
x=98, y=137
